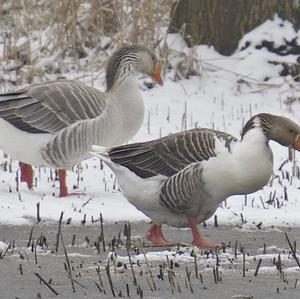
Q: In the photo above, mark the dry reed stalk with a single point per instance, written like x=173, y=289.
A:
x=75, y=29
x=294, y=254
x=147, y=264
x=46, y=283
x=68, y=263
x=109, y=279
x=59, y=231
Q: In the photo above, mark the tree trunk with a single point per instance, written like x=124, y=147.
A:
x=222, y=23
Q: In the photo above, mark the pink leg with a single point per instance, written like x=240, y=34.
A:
x=26, y=174
x=63, y=189
x=154, y=234
x=198, y=239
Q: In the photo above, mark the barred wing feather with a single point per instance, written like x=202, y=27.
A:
x=49, y=108
x=180, y=193
x=170, y=154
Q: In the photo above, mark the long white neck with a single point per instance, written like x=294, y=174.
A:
x=252, y=162
x=127, y=103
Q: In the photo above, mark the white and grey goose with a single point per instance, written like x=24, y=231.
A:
x=181, y=179
x=56, y=123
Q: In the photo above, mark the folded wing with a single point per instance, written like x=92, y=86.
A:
x=48, y=108
x=181, y=192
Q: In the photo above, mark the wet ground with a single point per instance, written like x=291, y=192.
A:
x=184, y=273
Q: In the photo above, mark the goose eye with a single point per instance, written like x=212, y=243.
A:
x=291, y=130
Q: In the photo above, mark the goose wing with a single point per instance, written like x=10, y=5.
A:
x=180, y=193
x=50, y=107
x=170, y=154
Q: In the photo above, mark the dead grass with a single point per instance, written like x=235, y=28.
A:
x=41, y=40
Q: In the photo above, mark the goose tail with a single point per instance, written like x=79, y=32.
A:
x=101, y=152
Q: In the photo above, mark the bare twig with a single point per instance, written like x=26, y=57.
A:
x=188, y=274
x=244, y=264
x=68, y=263
x=59, y=231
x=99, y=276
x=147, y=264
x=30, y=237
x=146, y=245
x=292, y=250
x=80, y=284
x=46, y=283
x=109, y=279
x=5, y=252
x=132, y=270
x=102, y=232
x=257, y=267
x=196, y=265
x=38, y=212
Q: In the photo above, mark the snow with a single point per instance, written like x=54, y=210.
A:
x=277, y=31
x=228, y=262
x=228, y=91
x=3, y=246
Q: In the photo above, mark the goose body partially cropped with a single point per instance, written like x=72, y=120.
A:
x=181, y=179
x=54, y=124
x=33, y=119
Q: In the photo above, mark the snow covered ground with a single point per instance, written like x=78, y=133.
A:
x=228, y=91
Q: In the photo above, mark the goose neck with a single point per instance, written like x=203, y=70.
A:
x=252, y=161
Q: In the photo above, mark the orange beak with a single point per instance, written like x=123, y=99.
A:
x=156, y=75
x=297, y=143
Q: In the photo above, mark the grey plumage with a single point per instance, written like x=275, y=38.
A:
x=177, y=193
x=178, y=157
x=170, y=154
x=48, y=108
x=264, y=122
x=63, y=108
x=124, y=59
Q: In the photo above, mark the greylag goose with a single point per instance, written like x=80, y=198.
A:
x=181, y=179
x=54, y=124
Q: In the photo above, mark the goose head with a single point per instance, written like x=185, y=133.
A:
x=277, y=128
x=130, y=60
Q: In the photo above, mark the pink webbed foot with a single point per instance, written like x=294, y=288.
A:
x=154, y=234
x=202, y=243
x=198, y=239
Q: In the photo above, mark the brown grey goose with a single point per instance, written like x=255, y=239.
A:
x=54, y=124
x=181, y=179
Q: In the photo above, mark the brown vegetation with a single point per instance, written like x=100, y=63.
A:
x=40, y=38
